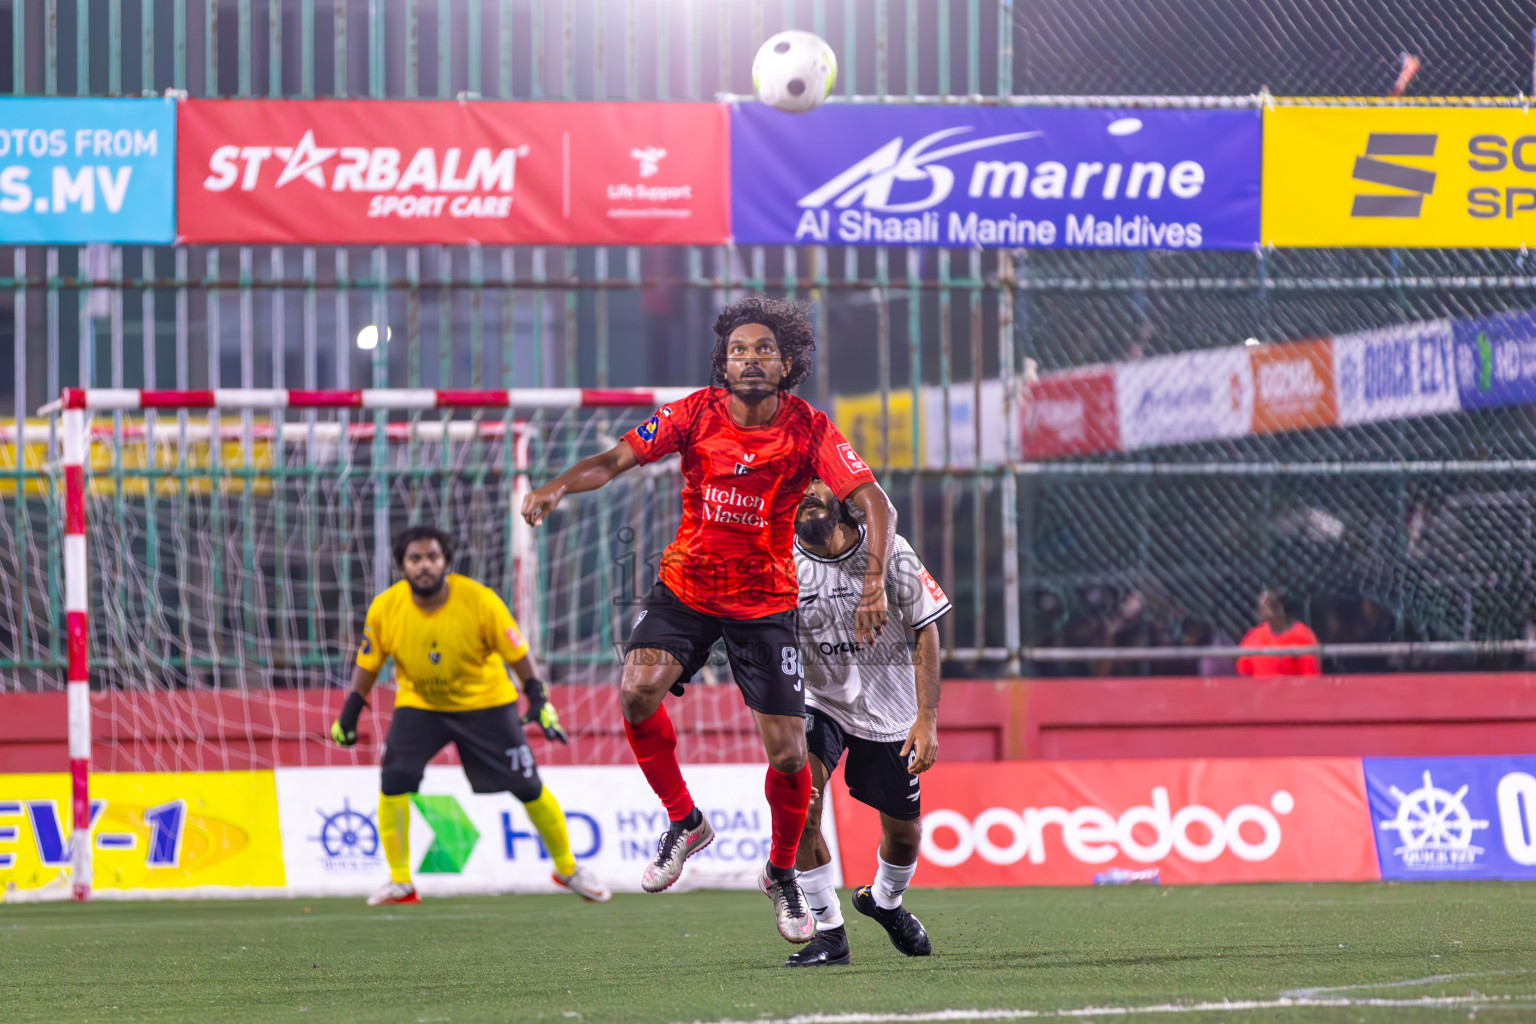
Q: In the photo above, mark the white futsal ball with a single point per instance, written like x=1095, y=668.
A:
x=794, y=71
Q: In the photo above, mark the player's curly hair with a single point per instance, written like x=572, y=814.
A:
x=790, y=323
x=422, y=531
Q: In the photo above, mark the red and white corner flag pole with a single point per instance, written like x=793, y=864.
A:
x=76, y=623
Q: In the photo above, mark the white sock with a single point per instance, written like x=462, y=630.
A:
x=890, y=882
x=821, y=895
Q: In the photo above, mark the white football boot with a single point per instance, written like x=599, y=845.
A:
x=796, y=922
x=392, y=893
x=583, y=883
x=676, y=846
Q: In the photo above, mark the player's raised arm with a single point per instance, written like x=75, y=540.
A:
x=589, y=474
x=880, y=534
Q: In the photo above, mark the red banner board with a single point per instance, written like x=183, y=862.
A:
x=1196, y=821
x=414, y=172
x=1071, y=413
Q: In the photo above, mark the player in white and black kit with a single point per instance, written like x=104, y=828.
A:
x=877, y=701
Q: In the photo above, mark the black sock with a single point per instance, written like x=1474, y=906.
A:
x=779, y=874
x=693, y=820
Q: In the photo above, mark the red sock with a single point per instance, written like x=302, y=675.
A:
x=789, y=797
x=654, y=742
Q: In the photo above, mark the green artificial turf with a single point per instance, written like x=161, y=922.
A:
x=712, y=956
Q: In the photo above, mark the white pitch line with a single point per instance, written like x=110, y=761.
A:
x=1309, y=993
x=1425, y=1002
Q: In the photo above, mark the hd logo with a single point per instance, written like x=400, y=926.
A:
x=1413, y=183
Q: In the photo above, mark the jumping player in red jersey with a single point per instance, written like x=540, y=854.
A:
x=748, y=449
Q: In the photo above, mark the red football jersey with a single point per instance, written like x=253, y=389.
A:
x=734, y=552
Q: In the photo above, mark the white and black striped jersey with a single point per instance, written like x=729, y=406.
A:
x=869, y=690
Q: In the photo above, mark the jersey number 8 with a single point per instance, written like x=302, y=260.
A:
x=789, y=663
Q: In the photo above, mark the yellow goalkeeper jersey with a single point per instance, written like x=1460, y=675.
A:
x=452, y=659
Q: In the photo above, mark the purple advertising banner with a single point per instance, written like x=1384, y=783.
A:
x=995, y=176
x=1453, y=817
x=1496, y=360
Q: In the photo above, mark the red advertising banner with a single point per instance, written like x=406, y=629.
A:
x=414, y=172
x=1062, y=822
x=1071, y=413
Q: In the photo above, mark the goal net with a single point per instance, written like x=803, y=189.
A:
x=231, y=551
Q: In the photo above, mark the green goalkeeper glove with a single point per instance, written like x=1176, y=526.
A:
x=542, y=712
x=344, y=729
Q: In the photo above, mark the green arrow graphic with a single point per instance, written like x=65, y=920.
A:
x=453, y=835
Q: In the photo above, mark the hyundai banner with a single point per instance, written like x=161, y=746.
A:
x=84, y=170
x=483, y=842
x=996, y=176
x=411, y=172
x=1454, y=817
x=1195, y=821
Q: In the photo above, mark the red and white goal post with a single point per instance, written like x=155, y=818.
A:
x=329, y=420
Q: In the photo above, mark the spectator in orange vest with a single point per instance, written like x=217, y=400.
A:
x=1277, y=629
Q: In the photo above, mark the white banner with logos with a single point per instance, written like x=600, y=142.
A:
x=995, y=426
x=1395, y=373
x=1179, y=399
x=463, y=842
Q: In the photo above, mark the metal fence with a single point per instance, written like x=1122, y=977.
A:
x=1021, y=548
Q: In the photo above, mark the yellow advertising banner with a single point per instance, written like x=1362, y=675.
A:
x=1407, y=176
x=858, y=417
x=152, y=831
x=191, y=470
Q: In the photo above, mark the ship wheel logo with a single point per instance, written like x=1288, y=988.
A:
x=1432, y=819
x=348, y=833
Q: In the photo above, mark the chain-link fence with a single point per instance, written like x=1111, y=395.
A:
x=1085, y=552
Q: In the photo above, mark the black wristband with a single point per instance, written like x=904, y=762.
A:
x=534, y=690
x=351, y=711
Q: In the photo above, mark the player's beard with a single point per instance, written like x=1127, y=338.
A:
x=753, y=390
x=816, y=531
x=432, y=586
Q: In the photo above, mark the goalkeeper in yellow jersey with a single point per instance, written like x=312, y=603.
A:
x=455, y=647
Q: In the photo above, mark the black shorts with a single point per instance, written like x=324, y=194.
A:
x=764, y=653
x=491, y=745
x=876, y=772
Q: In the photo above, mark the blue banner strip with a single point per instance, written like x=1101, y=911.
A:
x=78, y=171
x=996, y=176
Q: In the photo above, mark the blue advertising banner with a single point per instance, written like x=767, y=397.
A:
x=995, y=176
x=1453, y=817
x=87, y=170
x=1496, y=360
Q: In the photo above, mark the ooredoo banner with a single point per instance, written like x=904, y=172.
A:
x=996, y=176
x=465, y=842
x=1293, y=387
x=361, y=171
x=87, y=170
x=1196, y=821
